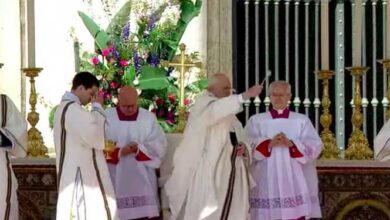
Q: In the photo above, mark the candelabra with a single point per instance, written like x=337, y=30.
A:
x=331, y=150
x=35, y=144
x=357, y=144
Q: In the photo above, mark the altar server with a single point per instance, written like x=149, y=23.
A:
x=285, y=147
x=141, y=145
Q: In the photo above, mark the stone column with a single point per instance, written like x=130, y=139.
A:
x=219, y=37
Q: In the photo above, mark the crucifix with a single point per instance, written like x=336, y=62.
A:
x=184, y=64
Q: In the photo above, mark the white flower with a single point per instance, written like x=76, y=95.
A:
x=136, y=81
x=170, y=16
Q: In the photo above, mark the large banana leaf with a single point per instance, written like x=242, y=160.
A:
x=101, y=37
x=189, y=10
x=120, y=19
x=153, y=78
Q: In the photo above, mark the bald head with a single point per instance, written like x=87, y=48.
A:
x=219, y=85
x=127, y=100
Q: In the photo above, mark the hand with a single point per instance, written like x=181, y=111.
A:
x=241, y=149
x=278, y=141
x=131, y=148
x=285, y=141
x=252, y=92
x=99, y=98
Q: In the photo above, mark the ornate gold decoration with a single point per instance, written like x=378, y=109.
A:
x=358, y=147
x=386, y=65
x=35, y=144
x=184, y=63
x=109, y=146
x=331, y=150
x=358, y=204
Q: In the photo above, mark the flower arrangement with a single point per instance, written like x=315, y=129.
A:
x=140, y=36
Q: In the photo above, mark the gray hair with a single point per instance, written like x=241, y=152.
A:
x=214, y=79
x=279, y=83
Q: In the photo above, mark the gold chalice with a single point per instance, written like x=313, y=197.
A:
x=109, y=147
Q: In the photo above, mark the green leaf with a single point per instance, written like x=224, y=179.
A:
x=166, y=127
x=144, y=103
x=198, y=86
x=152, y=78
x=51, y=116
x=129, y=75
x=189, y=10
x=101, y=37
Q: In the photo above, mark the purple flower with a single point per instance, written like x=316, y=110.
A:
x=115, y=54
x=137, y=62
x=154, y=60
x=161, y=113
x=126, y=32
x=151, y=25
x=170, y=117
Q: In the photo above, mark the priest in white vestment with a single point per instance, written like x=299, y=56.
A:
x=382, y=143
x=285, y=147
x=140, y=147
x=85, y=190
x=209, y=178
x=13, y=143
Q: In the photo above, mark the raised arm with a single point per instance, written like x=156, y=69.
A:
x=89, y=126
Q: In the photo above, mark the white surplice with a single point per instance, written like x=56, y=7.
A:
x=14, y=128
x=286, y=187
x=85, y=189
x=204, y=184
x=382, y=143
x=134, y=179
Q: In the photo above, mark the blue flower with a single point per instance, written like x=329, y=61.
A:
x=126, y=32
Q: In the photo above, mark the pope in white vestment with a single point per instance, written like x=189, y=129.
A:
x=141, y=145
x=209, y=178
x=85, y=189
x=382, y=143
x=13, y=142
x=285, y=147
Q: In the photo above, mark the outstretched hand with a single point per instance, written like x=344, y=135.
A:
x=252, y=91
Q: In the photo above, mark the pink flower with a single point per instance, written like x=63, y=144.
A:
x=187, y=101
x=108, y=96
x=114, y=85
x=95, y=61
x=102, y=93
x=106, y=51
x=124, y=63
x=172, y=99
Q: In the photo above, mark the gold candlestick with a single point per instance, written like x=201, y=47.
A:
x=358, y=147
x=35, y=144
x=184, y=64
x=331, y=151
x=386, y=65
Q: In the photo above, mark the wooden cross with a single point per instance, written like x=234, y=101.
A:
x=184, y=64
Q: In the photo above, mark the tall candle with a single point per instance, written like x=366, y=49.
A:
x=357, y=35
x=30, y=33
x=325, y=34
